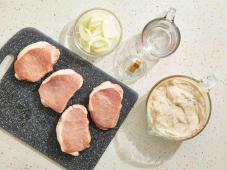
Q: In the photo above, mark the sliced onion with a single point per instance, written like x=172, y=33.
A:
x=97, y=33
x=85, y=21
x=101, y=50
x=85, y=45
x=95, y=22
x=84, y=33
x=97, y=41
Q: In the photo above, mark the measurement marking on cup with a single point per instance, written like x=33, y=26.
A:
x=4, y=66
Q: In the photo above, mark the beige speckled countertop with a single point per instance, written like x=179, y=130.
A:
x=203, y=50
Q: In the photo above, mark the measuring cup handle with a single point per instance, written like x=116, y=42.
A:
x=209, y=82
x=170, y=15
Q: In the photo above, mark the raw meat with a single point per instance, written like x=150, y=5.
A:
x=58, y=88
x=73, y=130
x=105, y=105
x=35, y=61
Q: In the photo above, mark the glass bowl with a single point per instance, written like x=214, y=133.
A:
x=202, y=87
x=76, y=34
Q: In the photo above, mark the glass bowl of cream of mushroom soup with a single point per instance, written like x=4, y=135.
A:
x=179, y=107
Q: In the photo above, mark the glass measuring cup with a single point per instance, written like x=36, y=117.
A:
x=202, y=86
x=159, y=38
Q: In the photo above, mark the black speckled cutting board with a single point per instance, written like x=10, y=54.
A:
x=22, y=114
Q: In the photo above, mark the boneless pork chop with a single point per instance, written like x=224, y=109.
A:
x=105, y=105
x=73, y=130
x=35, y=61
x=58, y=88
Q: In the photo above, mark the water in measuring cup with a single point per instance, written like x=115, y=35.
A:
x=158, y=41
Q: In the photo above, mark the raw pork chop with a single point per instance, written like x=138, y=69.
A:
x=58, y=88
x=35, y=61
x=73, y=130
x=105, y=105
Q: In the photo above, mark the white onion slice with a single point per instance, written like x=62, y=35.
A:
x=98, y=33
